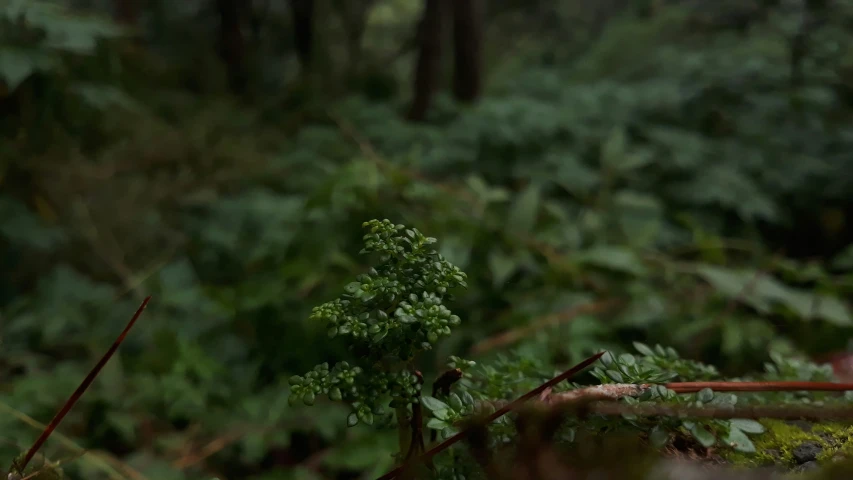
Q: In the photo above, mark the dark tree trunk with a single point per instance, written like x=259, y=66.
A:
x=256, y=19
x=127, y=11
x=467, y=50
x=357, y=23
x=231, y=44
x=303, y=31
x=428, y=66
x=812, y=19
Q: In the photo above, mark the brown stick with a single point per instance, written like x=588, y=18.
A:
x=82, y=388
x=511, y=336
x=693, y=387
x=616, y=391
x=781, y=412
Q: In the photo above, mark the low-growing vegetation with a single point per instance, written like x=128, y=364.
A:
x=662, y=181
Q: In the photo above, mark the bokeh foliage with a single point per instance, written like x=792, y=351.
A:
x=673, y=172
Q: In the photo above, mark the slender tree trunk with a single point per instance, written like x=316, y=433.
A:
x=303, y=31
x=232, y=47
x=126, y=12
x=467, y=50
x=357, y=24
x=812, y=18
x=257, y=16
x=428, y=68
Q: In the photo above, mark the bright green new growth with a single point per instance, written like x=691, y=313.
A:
x=391, y=313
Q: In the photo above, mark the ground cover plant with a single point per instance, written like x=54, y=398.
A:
x=708, y=418
x=613, y=172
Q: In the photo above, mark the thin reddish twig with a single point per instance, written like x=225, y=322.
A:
x=616, y=391
x=511, y=336
x=693, y=387
x=82, y=388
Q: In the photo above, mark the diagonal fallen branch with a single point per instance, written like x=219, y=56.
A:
x=494, y=416
x=80, y=390
x=601, y=399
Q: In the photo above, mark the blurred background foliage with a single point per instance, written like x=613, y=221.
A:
x=666, y=171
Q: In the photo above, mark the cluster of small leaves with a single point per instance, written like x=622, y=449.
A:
x=791, y=368
x=344, y=382
x=428, y=311
x=666, y=358
x=649, y=370
x=337, y=382
x=626, y=369
x=504, y=378
x=461, y=363
x=390, y=314
x=396, y=308
x=782, y=367
x=408, y=260
x=655, y=365
x=726, y=433
x=480, y=391
x=446, y=415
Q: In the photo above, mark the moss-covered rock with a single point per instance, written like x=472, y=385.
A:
x=797, y=445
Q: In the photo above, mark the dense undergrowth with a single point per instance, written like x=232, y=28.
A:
x=665, y=179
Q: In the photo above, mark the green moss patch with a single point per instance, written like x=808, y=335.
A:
x=790, y=444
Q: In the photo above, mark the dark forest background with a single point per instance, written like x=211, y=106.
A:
x=609, y=171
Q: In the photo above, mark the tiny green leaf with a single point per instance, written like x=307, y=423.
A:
x=441, y=414
x=627, y=359
x=437, y=424
x=335, y=394
x=747, y=425
x=644, y=349
x=455, y=402
x=352, y=419
x=659, y=437
x=739, y=441
x=703, y=436
x=432, y=404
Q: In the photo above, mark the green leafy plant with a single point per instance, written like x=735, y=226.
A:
x=388, y=315
x=445, y=415
x=660, y=365
x=41, y=36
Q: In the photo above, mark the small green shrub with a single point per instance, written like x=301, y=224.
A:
x=389, y=315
